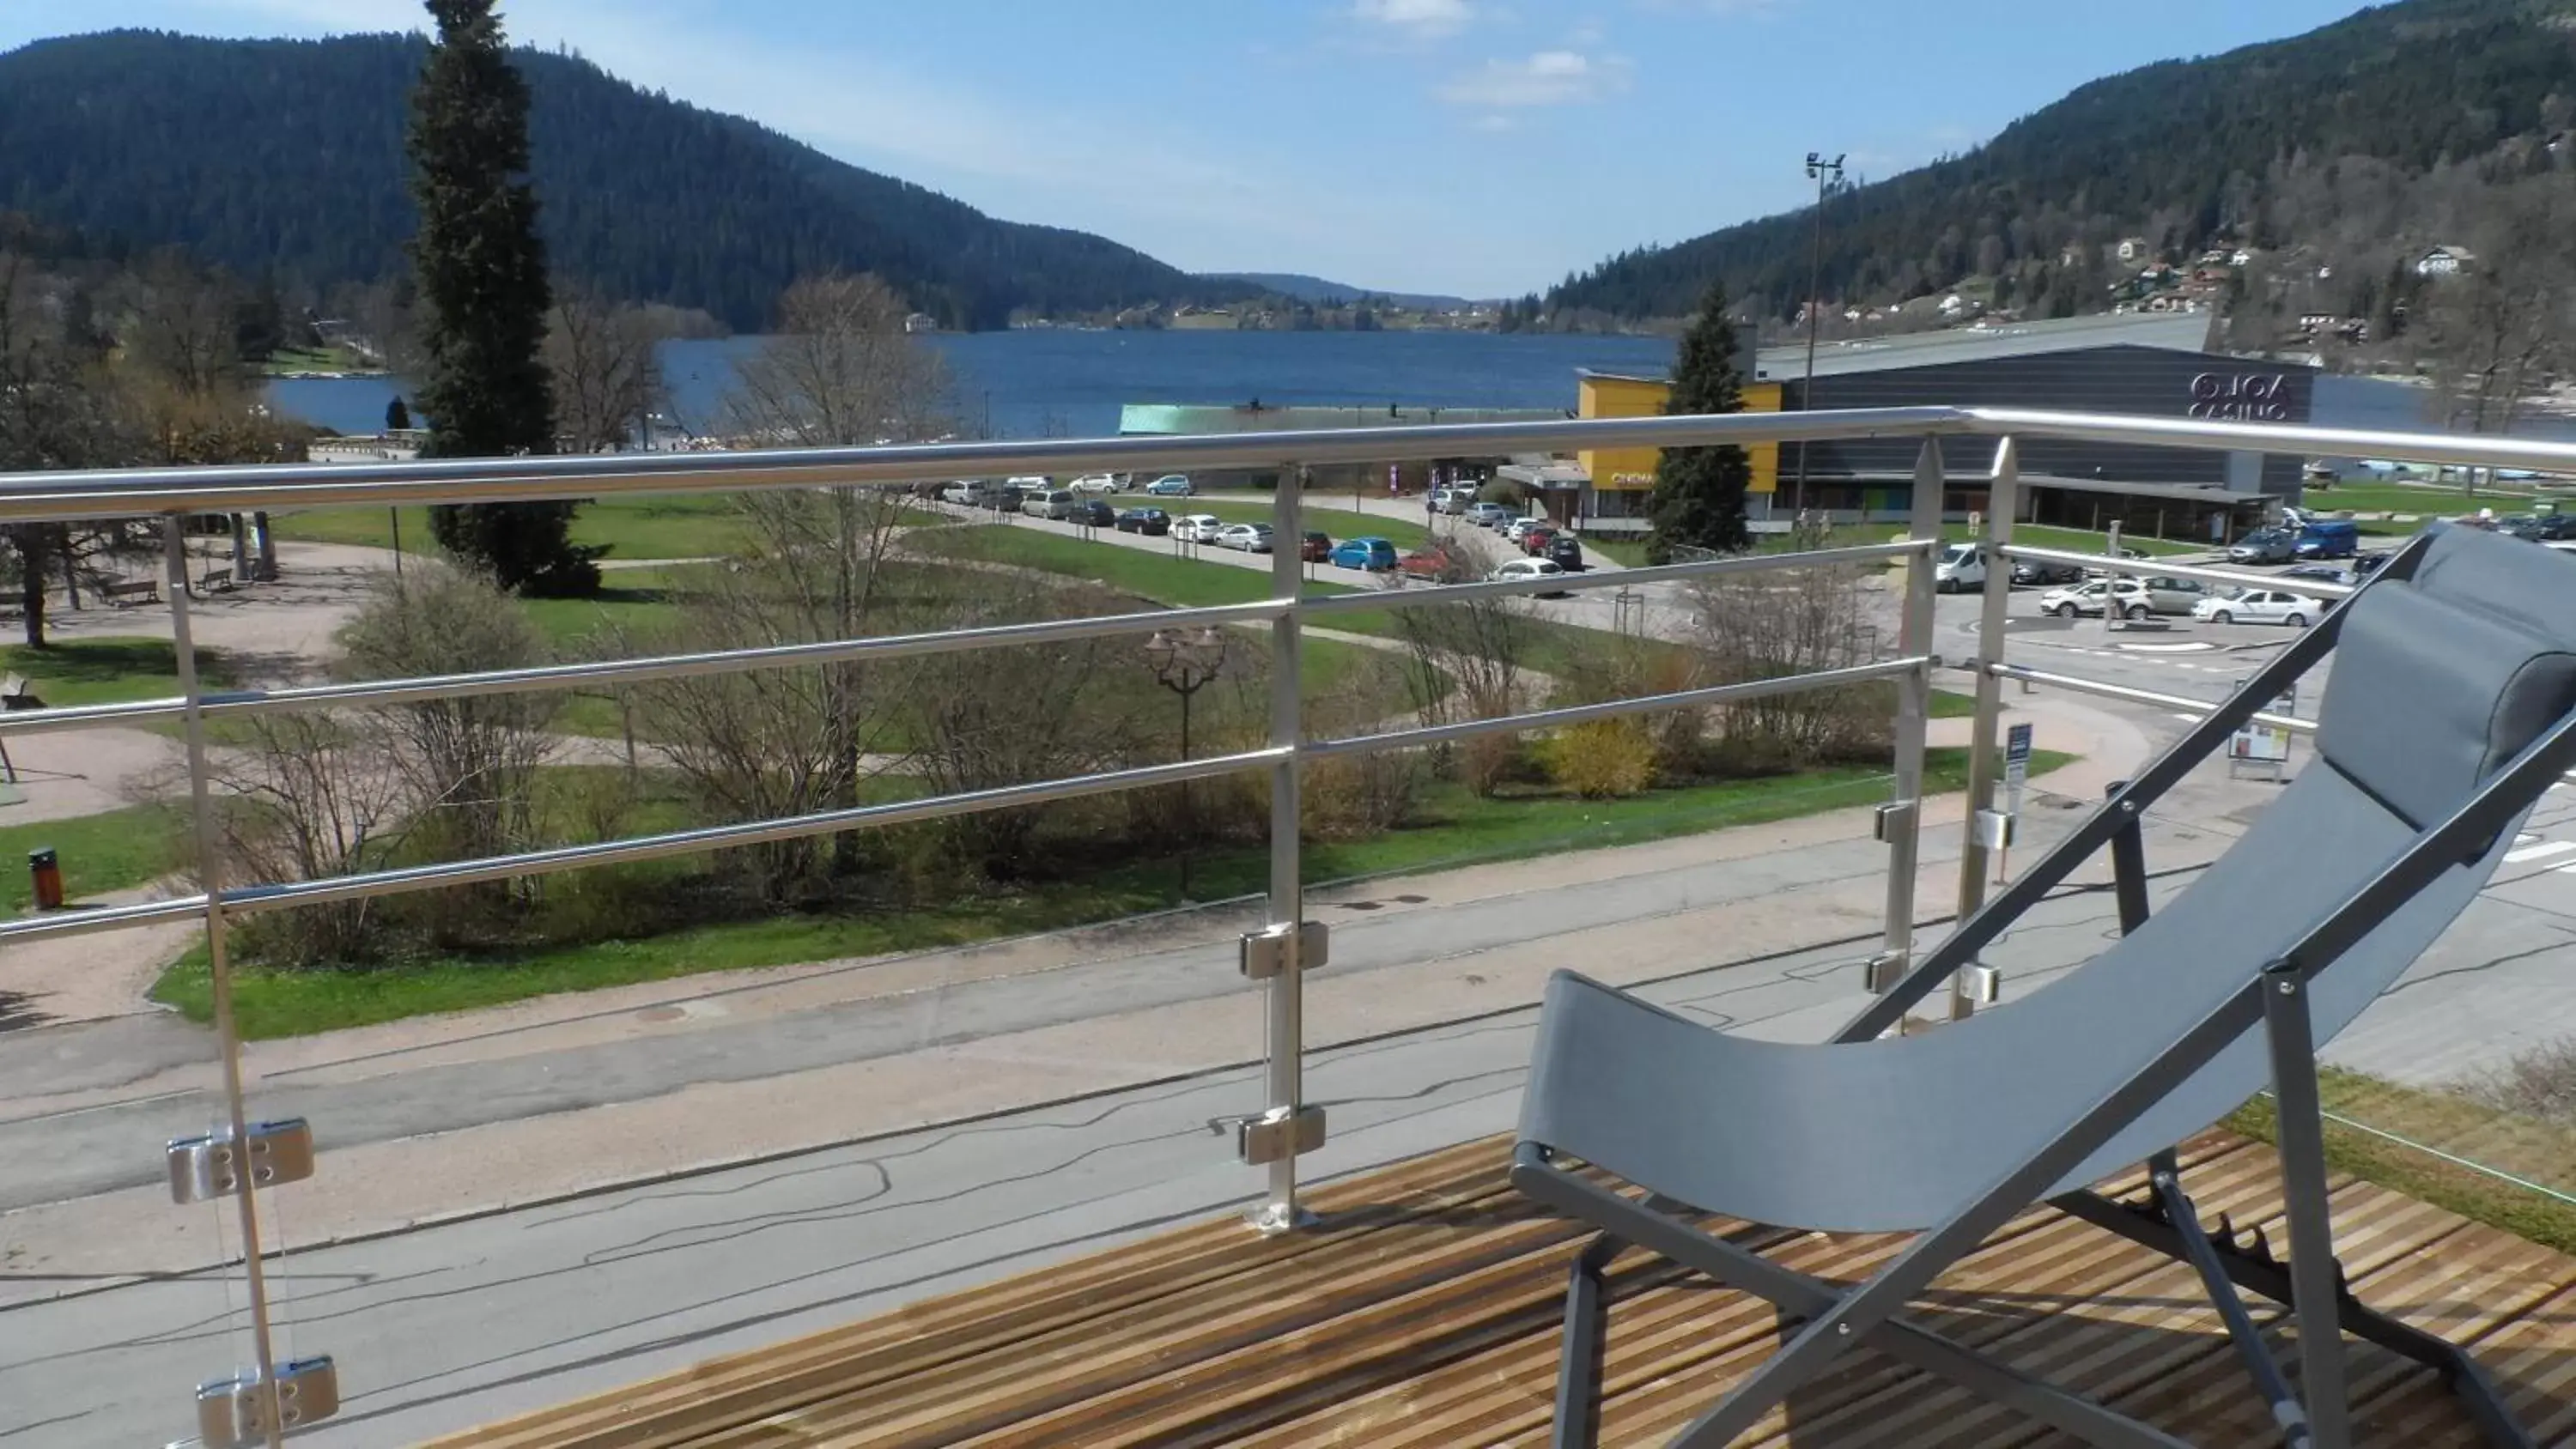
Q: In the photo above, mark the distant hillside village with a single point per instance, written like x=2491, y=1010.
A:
x=1285, y=314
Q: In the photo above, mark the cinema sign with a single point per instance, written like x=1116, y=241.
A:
x=2241, y=397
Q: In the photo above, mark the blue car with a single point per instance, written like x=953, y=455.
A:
x=1374, y=554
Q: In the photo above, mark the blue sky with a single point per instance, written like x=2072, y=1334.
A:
x=1473, y=146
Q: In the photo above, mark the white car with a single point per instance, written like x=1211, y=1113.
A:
x=2094, y=596
x=1197, y=527
x=965, y=491
x=1519, y=528
x=1249, y=537
x=1090, y=484
x=2260, y=606
x=1530, y=568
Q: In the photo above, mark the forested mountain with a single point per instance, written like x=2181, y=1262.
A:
x=2399, y=114
x=1321, y=293
x=280, y=157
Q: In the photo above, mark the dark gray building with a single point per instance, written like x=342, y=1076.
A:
x=2155, y=365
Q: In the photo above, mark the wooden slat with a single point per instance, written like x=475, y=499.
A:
x=1427, y=1314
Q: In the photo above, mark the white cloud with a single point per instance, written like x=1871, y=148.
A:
x=1547, y=78
x=1427, y=19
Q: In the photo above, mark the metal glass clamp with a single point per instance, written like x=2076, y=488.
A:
x=1893, y=820
x=234, y=1412
x=208, y=1167
x=1884, y=970
x=1281, y=1132
x=1265, y=952
x=1976, y=985
x=1995, y=829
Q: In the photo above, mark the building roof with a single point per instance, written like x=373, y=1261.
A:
x=2172, y=331
x=1166, y=420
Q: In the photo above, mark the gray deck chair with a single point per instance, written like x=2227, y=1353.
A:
x=2451, y=709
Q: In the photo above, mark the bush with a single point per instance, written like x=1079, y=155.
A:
x=2540, y=1082
x=1606, y=759
x=1362, y=795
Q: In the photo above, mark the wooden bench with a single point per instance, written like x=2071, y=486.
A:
x=15, y=693
x=131, y=591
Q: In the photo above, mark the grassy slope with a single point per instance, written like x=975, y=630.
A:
x=1459, y=828
x=109, y=670
x=114, y=851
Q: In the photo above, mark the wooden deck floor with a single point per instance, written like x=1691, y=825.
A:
x=1425, y=1311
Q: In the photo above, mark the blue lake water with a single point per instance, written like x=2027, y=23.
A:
x=1031, y=384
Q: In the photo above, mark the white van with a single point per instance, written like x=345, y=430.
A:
x=1055, y=503
x=1960, y=566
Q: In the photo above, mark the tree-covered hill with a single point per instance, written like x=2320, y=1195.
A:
x=279, y=157
x=2260, y=145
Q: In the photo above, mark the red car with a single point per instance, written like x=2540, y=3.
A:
x=1315, y=547
x=1431, y=561
x=1534, y=541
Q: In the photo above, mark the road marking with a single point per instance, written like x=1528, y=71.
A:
x=2542, y=851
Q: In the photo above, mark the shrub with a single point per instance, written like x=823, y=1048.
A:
x=1607, y=759
x=1359, y=795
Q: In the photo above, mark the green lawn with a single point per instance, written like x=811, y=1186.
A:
x=2419, y=498
x=1162, y=577
x=2454, y=1126
x=1460, y=829
x=109, y=670
x=674, y=526
x=113, y=851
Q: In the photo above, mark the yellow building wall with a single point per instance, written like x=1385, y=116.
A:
x=1633, y=469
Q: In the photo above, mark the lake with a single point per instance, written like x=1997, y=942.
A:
x=1072, y=383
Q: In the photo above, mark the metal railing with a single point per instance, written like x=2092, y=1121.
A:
x=1286, y=1125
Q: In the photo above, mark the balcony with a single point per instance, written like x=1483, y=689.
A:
x=993, y=1186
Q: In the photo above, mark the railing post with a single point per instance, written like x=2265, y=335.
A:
x=263, y=1388
x=1293, y=1127
x=1901, y=820
x=2003, y=500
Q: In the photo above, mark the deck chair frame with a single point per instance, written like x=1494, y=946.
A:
x=1834, y=1317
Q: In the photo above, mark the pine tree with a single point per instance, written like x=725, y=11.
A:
x=482, y=276
x=1698, y=500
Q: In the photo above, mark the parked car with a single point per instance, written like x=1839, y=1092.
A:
x=1535, y=540
x=1488, y=515
x=2368, y=564
x=1248, y=537
x=966, y=492
x=1093, y=513
x=1197, y=527
x=2260, y=606
x=2095, y=595
x=2264, y=546
x=1431, y=561
x=1171, y=485
x=2175, y=596
x=1152, y=522
x=2557, y=527
x=1456, y=499
x=1376, y=555
x=2030, y=573
x=1055, y=503
x=2327, y=538
x=1530, y=568
x=1315, y=547
x=1518, y=528
x=1960, y=566
x=1092, y=483
x=2323, y=573
x=1566, y=552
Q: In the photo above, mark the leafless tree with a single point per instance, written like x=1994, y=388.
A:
x=607, y=369
x=305, y=797
x=841, y=370
x=2497, y=329
x=1466, y=659
x=1765, y=626
x=470, y=762
x=57, y=410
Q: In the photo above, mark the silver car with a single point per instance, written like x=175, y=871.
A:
x=2175, y=596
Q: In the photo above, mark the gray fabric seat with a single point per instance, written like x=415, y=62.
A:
x=2437, y=682
x=2448, y=670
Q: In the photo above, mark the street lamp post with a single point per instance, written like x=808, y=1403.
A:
x=1825, y=173
x=1186, y=664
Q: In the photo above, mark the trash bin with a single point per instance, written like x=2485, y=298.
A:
x=48, y=877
